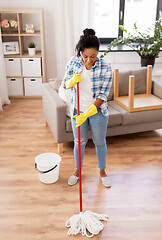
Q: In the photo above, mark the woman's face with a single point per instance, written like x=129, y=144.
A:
x=89, y=56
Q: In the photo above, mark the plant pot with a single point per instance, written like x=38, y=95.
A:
x=31, y=51
x=147, y=61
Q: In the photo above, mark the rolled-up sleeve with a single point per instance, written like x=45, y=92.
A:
x=69, y=72
x=106, y=82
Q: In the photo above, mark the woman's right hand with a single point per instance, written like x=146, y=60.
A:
x=71, y=82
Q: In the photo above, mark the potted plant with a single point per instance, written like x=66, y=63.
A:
x=31, y=49
x=146, y=46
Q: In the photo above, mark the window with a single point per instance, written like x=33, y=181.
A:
x=109, y=14
x=106, y=18
x=144, y=14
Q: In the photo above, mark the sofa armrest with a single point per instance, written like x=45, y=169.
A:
x=157, y=87
x=54, y=111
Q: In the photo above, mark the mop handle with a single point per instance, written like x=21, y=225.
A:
x=79, y=151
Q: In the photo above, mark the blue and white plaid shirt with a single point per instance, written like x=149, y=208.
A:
x=100, y=82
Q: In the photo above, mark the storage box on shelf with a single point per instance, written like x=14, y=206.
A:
x=13, y=66
x=25, y=74
x=31, y=67
x=15, y=86
x=33, y=86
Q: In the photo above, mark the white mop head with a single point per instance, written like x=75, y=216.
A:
x=80, y=223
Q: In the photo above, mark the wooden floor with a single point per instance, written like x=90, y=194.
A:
x=31, y=210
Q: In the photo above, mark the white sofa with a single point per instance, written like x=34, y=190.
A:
x=120, y=120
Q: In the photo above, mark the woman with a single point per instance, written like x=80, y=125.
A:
x=95, y=77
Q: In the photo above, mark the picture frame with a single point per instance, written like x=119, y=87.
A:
x=11, y=48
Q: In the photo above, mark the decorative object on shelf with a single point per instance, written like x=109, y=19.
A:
x=31, y=49
x=30, y=28
x=10, y=48
x=9, y=24
x=146, y=46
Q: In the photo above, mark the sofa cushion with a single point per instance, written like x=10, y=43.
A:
x=124, y=82
x=65, y=95
x=137, y=117
x=68, y=126
x=55, y=83
x=114, y=119
x=157, y=87
x=111, y=92
x=140, y=82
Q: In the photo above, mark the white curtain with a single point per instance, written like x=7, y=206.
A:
x=71, y=18
x=3, y=83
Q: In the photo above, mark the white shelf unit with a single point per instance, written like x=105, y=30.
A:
x=25, y=74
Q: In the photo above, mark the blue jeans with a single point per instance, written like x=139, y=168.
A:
x=98, y=125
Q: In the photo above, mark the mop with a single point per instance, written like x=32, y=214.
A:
x=87, y=223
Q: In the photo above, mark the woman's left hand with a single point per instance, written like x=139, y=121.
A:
x=83, y=116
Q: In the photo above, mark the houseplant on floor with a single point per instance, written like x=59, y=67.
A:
x=146, y=46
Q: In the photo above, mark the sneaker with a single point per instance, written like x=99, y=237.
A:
x=73, y=180
x=105, y=181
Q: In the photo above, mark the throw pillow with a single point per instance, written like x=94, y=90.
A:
x=140, y=79
x=124, y=82
x=55, y=83
x=65, y=95
x=139, y=82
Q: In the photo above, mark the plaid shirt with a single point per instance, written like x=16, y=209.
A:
x=100, y=82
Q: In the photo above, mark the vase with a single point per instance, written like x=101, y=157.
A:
x=147, y=61
x=31, y=51
x=9, y=30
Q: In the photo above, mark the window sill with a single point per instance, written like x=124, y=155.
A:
x=119, y=48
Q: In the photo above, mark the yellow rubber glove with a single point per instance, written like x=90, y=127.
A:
x=92, y=110
x=75, y=79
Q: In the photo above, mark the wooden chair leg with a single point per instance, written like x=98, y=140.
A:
x=60, y=148
x=116, y=83
x=149, y=79
x=131, y=93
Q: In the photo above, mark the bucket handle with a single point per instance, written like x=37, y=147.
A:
x=44, y=171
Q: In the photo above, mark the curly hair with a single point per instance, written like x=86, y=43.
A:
x=87, y=40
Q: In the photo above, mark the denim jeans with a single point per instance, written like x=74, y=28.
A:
x=98, y=125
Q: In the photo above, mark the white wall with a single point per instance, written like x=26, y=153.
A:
x=54, y=35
